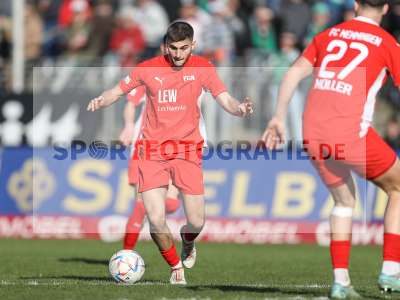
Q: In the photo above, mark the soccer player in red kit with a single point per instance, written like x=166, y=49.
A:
x=128, y=136
x=350, y=62
x=171, y=137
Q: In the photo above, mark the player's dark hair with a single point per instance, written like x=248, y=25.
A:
x=373, y=3
x=179, y=31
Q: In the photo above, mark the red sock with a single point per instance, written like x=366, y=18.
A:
x=340, y=253
x=391, y=247
x=187, y=235
x=171, y=205
x=134, y=226
x=170, y=256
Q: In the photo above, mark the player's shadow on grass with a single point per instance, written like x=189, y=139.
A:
x=274, y=289
x=256, y=289
x=90, y=261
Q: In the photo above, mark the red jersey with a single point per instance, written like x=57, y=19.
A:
x=137, y=95
x=173, y=98
x=352, y=61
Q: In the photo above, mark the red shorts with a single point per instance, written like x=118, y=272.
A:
x=369, y=156
x=133, y=170
x=186, y=174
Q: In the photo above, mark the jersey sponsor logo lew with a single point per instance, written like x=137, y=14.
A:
x=167, y=96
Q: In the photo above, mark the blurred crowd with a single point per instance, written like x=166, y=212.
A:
x=268, y=33
x=227, y=31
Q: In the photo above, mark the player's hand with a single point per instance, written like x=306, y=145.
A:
x=274, y=134
x=126, y=135
x=96, y=104
x=246, y=108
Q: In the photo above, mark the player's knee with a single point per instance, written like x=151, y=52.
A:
x=394, y=192
x=390, y=182
x=391, y=187
x=396, y=183
x=157, y=221
x=396, y=186
x=196, y=222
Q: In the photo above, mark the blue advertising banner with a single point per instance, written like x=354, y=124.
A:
x=278, y=187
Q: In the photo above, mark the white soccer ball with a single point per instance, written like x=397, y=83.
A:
x=126, y=267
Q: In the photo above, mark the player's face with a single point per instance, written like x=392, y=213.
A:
x=179, y=52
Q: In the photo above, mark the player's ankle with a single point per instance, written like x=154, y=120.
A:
x=179, y=265
x=341, y=276
x=390, y=268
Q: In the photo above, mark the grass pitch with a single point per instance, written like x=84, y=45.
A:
x=36, y=269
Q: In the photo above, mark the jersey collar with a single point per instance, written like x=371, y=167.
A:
x=366, y=20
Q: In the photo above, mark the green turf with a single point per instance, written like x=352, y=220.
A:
x=78, y=270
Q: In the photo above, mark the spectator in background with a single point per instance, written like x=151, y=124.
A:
x=394, y=20
x=200, y=21
x=33, y=38
x=320, y=21
x=125, y=3
x=264, y=44
x=219, y=43
x=279, y=63
x=262, y=30
x=153, y=21
x=283, y=58
x=5, y=53
x=78, y=30
x=295, y=17
x=5, y=8
x=238, y=27
x=127, y=41
x=102, y=21
x=392, y=134
x=68, y=9
x=33, y=34
x=5, y=39
x=48, y=10
x=275, y=5
x=340, y=10
x=172, y=8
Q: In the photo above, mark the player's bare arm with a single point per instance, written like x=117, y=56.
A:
x=234, y=107
x=107, y=98
x=128, y=131
x=274, y=134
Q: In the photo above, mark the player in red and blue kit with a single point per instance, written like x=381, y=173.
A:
x=350, y=63
x=171, y=141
